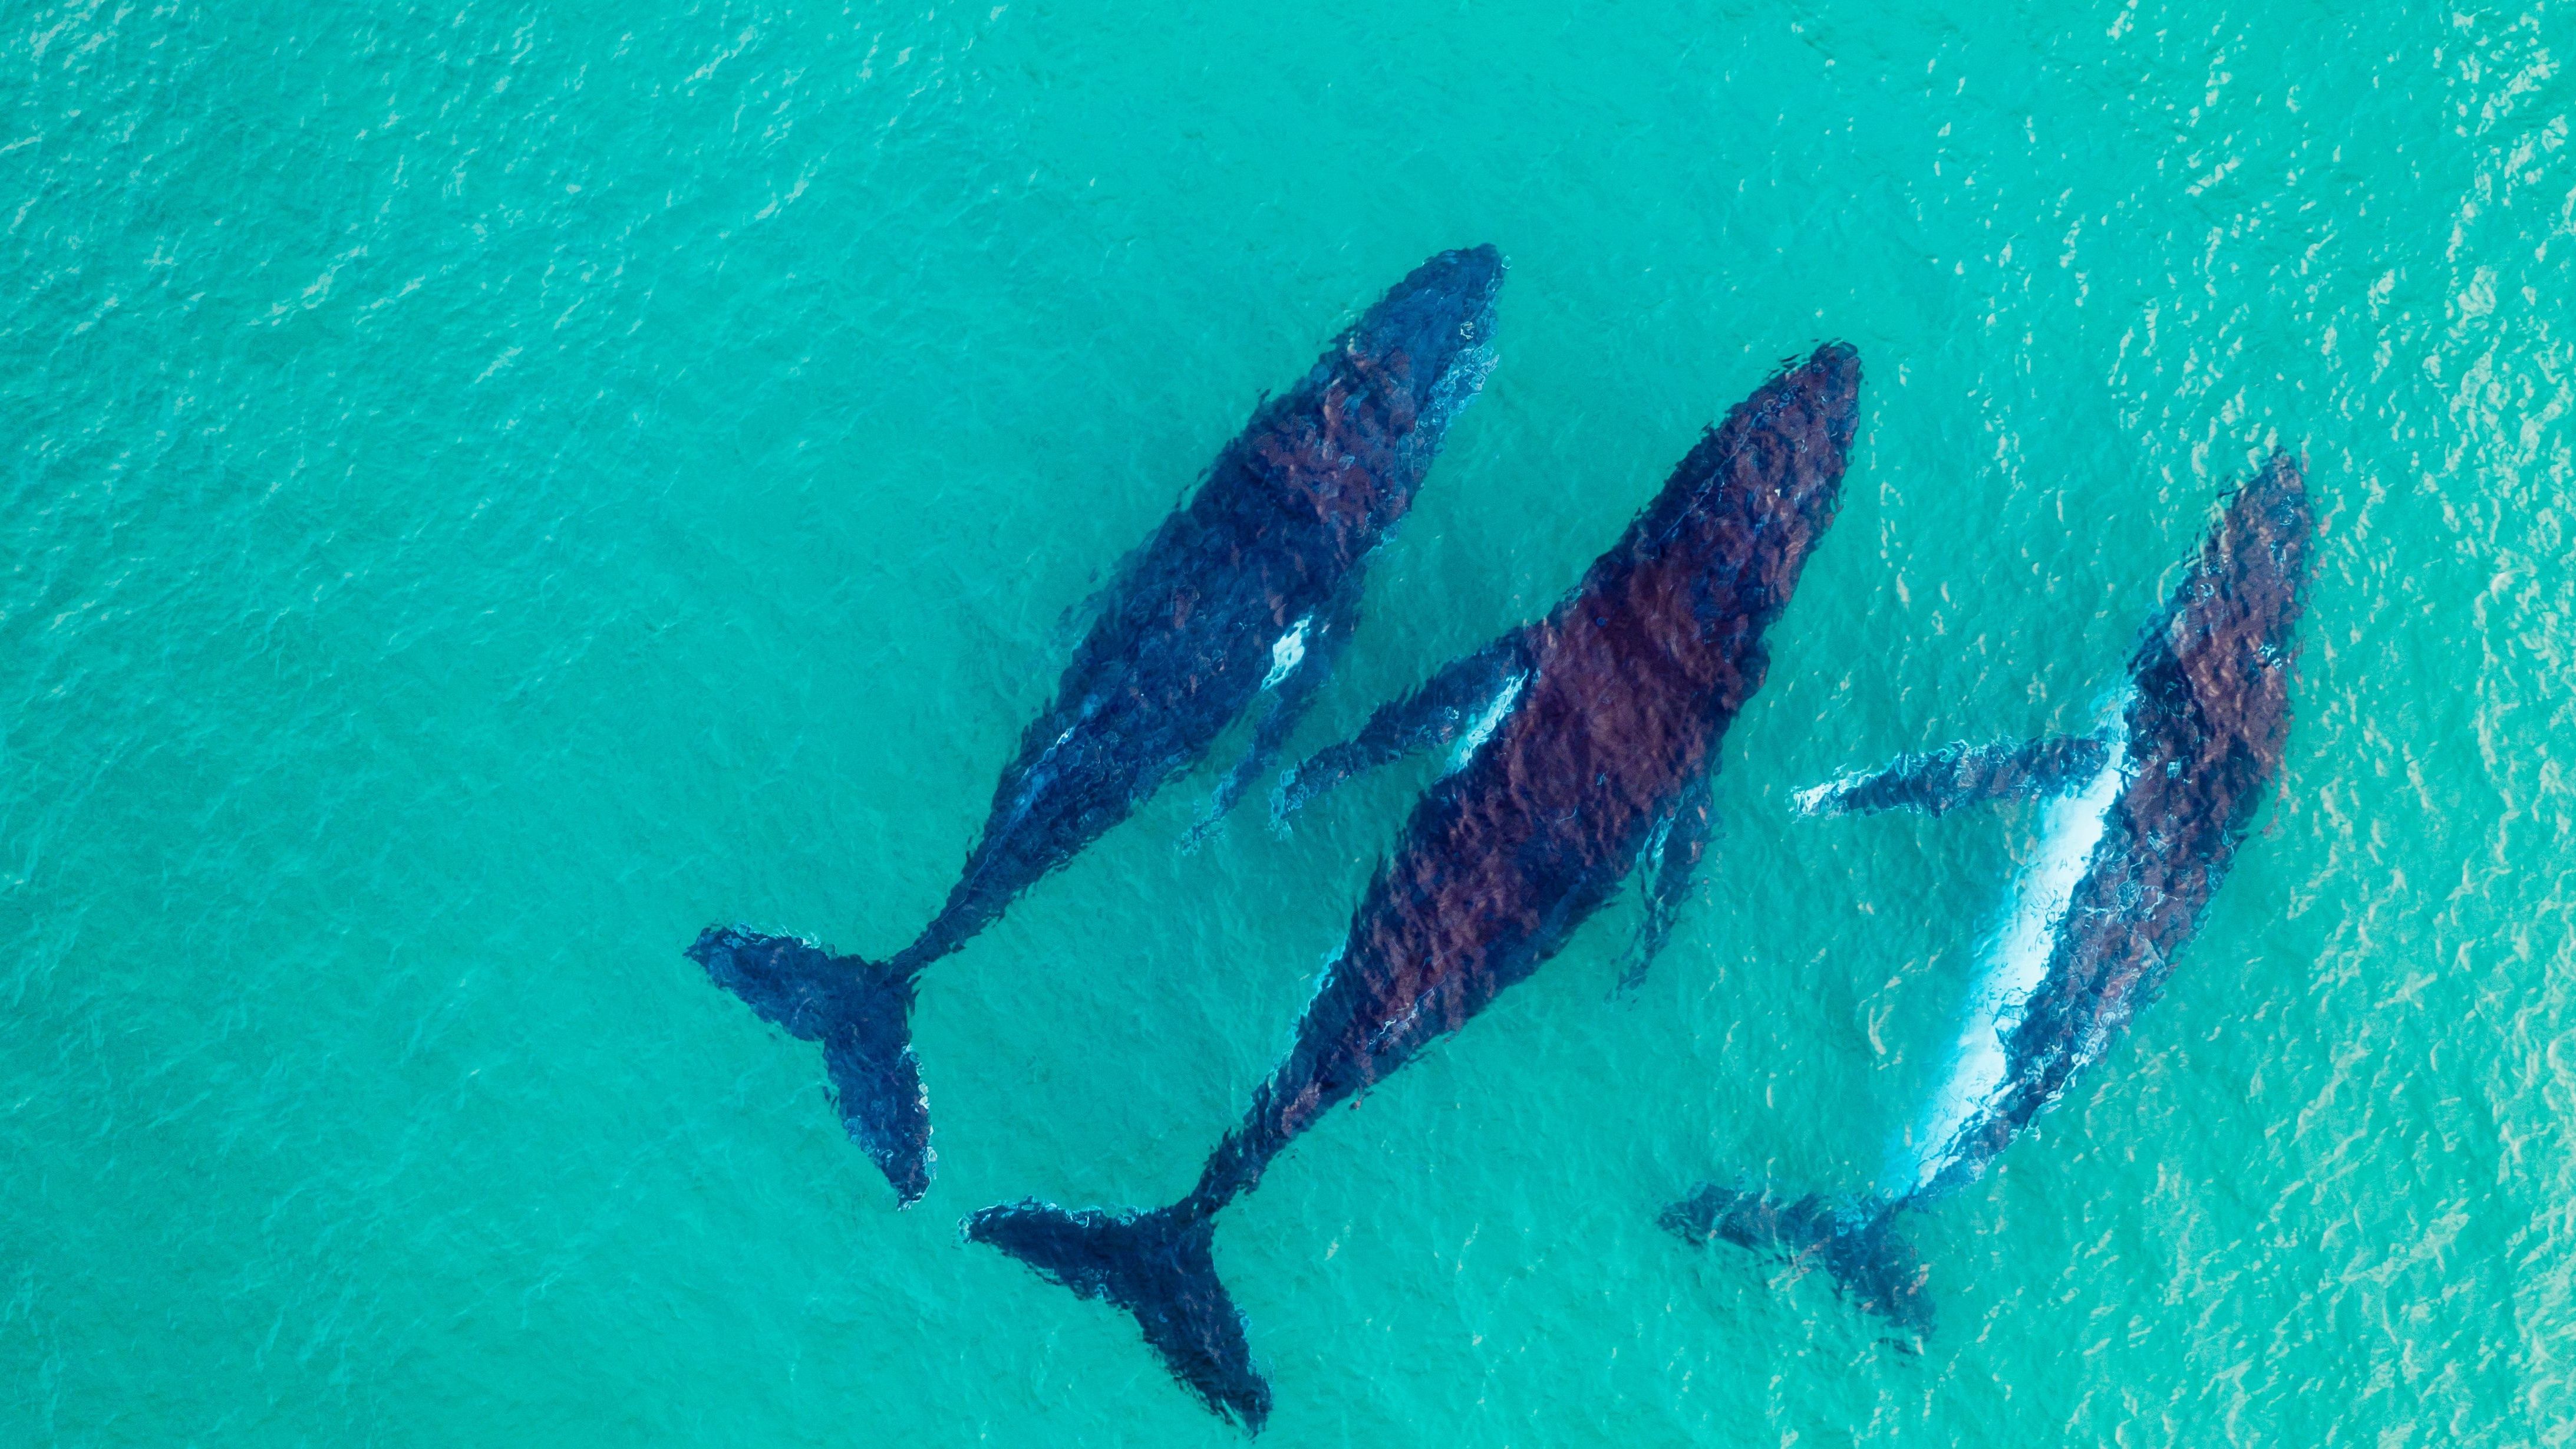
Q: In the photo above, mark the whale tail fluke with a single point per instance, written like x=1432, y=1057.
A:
x=1159, y=1267
x=862, y=1014
x=1855, y=1242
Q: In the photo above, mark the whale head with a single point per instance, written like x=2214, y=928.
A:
x=2249, y=585
x=1811, y=410
x=1735, y=523
x=2211, y=709
x=1435, y=330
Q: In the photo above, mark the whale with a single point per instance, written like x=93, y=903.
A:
x=1582, y=749
x=2143, y=818
x=1239, y=601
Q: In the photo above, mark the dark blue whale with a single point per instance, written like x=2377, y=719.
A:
x=1586, y=742
x=1244, y=593
x=2148, y=813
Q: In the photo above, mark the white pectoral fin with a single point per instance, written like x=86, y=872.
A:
x=1488, y=718
x=1824, y=799
x=1939, y=781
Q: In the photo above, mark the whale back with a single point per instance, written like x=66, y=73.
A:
x=2206, y=724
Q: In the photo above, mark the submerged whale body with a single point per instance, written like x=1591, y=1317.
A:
x=1587, y=740
x=1244, y=593
x=2145, y=820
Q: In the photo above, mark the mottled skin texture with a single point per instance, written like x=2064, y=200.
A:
x=1181, y=643
x=1631, y=684
x=1183, y=639
x=2206, y=728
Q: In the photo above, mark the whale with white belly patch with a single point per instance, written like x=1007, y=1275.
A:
x=2145, y=817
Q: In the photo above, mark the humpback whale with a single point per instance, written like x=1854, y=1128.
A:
x=1586, y=742
x=2144, y=820
x=1244, y=593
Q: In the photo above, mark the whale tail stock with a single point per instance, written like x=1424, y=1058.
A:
x=1159, y=1267
x=1855, y=1242
x=861, y=1012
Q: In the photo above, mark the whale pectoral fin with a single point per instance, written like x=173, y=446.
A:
x=1670, y=866
x=1288, y=706
x=1445, y=707
x=1942, y=780
x=1290, y=697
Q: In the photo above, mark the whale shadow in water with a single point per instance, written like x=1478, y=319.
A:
x=1588, y=741
x=1244, y=594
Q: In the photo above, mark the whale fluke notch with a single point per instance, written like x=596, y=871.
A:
x=1939, y=781
x=862, y=1014
x=1160, y=1266
x=1853, y=1240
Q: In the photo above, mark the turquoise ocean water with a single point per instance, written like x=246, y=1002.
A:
x=493, y=488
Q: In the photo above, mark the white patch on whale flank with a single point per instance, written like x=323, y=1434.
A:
x=2013, y=967
x=1487, y=722
x=1288, y=653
